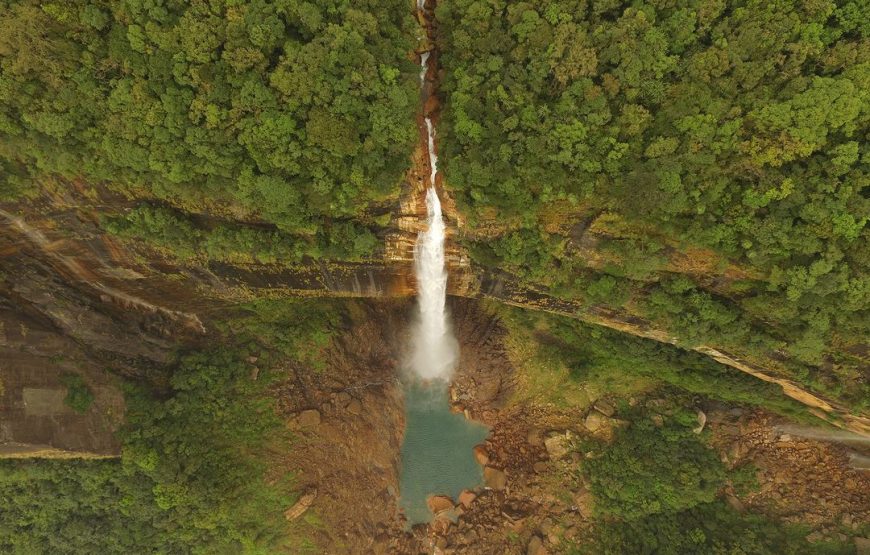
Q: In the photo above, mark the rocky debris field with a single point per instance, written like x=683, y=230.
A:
x=348, y=421
x=800, y=480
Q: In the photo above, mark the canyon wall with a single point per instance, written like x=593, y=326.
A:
x=74, y=297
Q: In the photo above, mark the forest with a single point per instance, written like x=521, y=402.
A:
x=291, y=113
x=698, y=168
x=737, y=129
x=666, y=501
x=202, y=443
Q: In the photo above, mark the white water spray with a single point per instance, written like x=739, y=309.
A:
x=435, y=348
x=424, y=60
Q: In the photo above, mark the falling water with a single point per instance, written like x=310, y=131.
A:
x=424, y=60
x=435, y=348
x=437, y=447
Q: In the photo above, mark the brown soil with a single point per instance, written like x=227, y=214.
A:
x=348, y=422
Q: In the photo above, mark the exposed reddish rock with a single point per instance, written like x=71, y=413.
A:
x=439, y=503
x=432, y=106
x=481, y=455
x=466, y=498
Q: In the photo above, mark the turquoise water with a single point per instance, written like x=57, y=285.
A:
x=436, y=453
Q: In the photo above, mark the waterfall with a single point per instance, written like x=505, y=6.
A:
x=424, y=60
x=435, y=348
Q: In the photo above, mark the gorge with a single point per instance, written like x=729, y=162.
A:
x=433, y=277
x=436, y=456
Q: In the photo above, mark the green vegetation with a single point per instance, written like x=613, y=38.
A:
x=657, y=487
x=201, y=465
x=656, y=491
x=299, y=114
x=650, y=470
x=178, y=235
x=600, y=361
x=701, y=164
x=79, y=396
x=734, y=130
x=189, y=480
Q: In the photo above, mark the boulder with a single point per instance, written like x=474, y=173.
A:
x=702, y=421
x=604, y=408
x=301, y=506
x=546, y=527
x=439, y=503
x=466, y=498
x=309, y=418
x=494, y=478
x=862, y=546
x=481, y=455
x=595, y=421
x=440, y=525
x=536, y=546
x=735, y=503
x=514, y=511
x=557, y=446
x=488, y=388
x=354, y=406
x=584, y=502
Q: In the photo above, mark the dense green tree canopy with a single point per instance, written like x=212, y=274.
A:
x=735, y=126
x=657, y=490
x=293, y=110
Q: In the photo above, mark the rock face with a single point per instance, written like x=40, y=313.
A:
x=140, y=280
x=36, y=357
